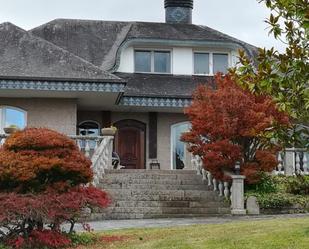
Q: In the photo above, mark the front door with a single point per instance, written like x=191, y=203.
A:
x=130, y=143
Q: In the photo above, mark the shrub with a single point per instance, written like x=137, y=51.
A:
x=41, y=181
x=230, y=124
x=29, y=212
x=83, y=239
x=267, y=184
x=37, y=158
x=298, y=185
x=39, y=239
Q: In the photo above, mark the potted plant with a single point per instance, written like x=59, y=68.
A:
x=11, y=129
x=109, y=131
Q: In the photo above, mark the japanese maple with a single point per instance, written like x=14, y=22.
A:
x=42, y=185
x=230, y=124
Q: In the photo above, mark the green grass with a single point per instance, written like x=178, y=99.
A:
x=268, y=234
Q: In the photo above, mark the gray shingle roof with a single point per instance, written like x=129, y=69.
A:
x=23, y=55
x=99, y=41
x=160, y=85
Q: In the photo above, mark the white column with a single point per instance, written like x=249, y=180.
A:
x=238, y=199
x=289, y=162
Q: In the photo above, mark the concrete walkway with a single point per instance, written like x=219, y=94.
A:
x=157, y=223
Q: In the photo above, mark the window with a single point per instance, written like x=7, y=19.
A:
x=201, y=63
x=220, y=62
x=180, y=155
x=142, y=61
x=152, y=61
x=91, y=129
x=210, y=63
x=12, y=116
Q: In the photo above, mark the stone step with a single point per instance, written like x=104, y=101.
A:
x=138, y=194
x=125, y=216
x=128, y=177
x=154, y=186
x=117, y=180
x=183, y=204
x=165, y=210
x=149, y=171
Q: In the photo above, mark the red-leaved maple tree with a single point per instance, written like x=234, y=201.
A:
x=42, y=186
x=230, y=124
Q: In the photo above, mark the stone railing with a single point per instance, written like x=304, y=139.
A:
x=234, y=192
x=98, y=149
x=293, y=161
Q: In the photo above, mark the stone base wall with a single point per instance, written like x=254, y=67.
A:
x=57, y=114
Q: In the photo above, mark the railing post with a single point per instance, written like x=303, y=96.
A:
x=109, y=153
x=289, y=162
x=237, y=198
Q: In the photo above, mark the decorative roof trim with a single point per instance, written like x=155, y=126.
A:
x=62, y=86
x=155, y=102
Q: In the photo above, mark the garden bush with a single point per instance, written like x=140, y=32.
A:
x=229, y=125
x=34, y=159
x=279, y=192
x=42, y=185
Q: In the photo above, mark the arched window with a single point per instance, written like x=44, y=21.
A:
x=179, y=154
x=89, y=128
x=12, y=116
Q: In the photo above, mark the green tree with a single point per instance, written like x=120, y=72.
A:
x=283, y=75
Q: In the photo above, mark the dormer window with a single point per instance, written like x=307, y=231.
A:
x=152, y=61
x=210, y=63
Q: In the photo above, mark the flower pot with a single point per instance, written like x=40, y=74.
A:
x=10, y=130
x=108, y=132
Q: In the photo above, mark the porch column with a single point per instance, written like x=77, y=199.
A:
x=153, y=135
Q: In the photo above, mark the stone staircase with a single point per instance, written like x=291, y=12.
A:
x=142, y=194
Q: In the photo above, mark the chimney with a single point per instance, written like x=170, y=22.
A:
x=178, y=11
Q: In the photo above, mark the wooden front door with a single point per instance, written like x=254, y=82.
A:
x=130, y=143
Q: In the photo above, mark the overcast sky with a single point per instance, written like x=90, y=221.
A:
x=243, y=19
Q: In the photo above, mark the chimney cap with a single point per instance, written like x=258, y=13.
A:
x=178, y=3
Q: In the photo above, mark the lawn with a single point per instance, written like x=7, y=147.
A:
x=270, y=234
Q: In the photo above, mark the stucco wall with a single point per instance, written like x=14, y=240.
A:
x=165, y=121
x=182, y=58
x=57, y=114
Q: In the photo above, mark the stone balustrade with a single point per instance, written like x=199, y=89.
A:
x=234, y=192
x=293, y=161
x=97, y=148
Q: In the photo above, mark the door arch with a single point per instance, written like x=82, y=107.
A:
x=130, y=143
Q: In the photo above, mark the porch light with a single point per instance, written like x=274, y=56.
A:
x=237, y=168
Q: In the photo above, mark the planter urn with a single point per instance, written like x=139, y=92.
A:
x=108, y=131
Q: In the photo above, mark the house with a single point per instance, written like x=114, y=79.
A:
x=78, y=76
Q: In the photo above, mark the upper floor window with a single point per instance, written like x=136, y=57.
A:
x=210, y=63
x=12, y=116
x=152, y=61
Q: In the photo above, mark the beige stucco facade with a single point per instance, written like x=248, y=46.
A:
x=63, y=115
x=57, y=114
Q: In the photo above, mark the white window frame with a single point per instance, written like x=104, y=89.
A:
x=211, y=60
x=3, y=117
x=152, y=64
x=172, y=141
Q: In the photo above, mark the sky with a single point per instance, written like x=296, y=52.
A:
x=242, y=19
